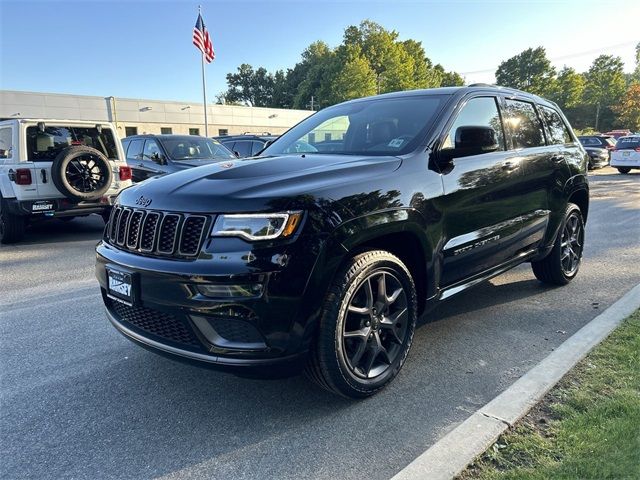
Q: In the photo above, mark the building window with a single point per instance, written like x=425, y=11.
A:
x=223, y=131
x=166, y=130
x=194, y=131
x=128, y=131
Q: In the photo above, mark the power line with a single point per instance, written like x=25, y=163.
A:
x=562, y=57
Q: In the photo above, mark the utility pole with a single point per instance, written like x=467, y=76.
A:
x=597, y=116
x=312, y=104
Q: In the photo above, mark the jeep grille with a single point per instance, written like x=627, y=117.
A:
x=151, y=232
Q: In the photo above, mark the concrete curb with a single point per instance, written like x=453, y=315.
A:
x=450, y=455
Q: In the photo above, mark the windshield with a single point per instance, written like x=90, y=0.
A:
x=45, y=146
x=188, y=148
x=381, y=126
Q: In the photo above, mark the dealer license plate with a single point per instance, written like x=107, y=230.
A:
x=120, y=286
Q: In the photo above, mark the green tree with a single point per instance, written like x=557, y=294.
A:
x=568, y=88
x=628, y=112
x=355, y=78
x=253, y=87
x=530, y=70
x=635, y=76
x=425, y=74
x=449, y=79
x=605, y=86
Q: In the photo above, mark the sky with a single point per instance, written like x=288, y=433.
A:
x=143, y=49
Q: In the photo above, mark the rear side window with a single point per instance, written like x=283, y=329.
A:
x=557, y=131
x=5, y=142
x=478, y=112
x=45, y=146
x=590, y=142
x=524, y=124
x=134, y=152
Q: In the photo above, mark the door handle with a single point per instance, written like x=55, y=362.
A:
x=509, y=165
x=557, y=158
x=141, y=164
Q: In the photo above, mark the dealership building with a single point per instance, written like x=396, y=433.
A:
x=139, y=116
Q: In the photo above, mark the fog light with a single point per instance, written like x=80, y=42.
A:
x=230, y=291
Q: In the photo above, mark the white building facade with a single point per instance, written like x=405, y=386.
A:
x=139, y=116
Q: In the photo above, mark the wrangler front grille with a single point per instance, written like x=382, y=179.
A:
x=156, y=233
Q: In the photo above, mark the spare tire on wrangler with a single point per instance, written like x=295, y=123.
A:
x=81, y=173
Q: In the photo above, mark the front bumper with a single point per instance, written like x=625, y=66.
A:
x=170, y=314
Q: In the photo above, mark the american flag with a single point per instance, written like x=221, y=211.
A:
x=202, y=40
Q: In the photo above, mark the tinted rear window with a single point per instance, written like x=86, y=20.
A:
x=625, y=143
x=45, y=146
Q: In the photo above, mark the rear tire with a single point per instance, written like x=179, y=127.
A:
x=561, y=265
x=624, y=170
x=12, y=226
x=366, y=326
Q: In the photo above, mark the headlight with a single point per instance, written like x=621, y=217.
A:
x=257, y=226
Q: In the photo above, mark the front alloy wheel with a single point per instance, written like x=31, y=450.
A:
x=366, y=326
x=375, y=325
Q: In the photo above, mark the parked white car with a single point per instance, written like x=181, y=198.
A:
x=57, y=169
x=626, y=154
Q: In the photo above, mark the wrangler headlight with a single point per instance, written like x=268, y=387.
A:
x=257, y=226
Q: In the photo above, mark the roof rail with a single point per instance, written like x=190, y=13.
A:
x=256, y=133
x=481, y=85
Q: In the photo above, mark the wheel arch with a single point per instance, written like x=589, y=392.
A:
x=580, y=197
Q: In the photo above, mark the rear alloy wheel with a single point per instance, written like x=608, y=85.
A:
x=367, y=326
x=562, y=264
x=624, y=170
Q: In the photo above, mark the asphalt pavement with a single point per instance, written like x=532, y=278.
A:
x=78, y=400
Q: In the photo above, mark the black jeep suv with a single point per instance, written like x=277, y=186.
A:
x=300, y=258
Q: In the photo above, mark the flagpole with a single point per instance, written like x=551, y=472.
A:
x=204, y=94
x=204, y=91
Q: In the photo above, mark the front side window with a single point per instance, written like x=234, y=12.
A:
x=390, y=126
x=589, y=142
x=478, y=112
x=6, y=141
x=524, y=124
x=47, y=145
x=151, y=149
x=557, y=131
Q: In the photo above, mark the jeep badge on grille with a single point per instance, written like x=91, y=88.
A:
x=143, y=201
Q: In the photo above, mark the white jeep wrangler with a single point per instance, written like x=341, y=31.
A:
x=59, y=169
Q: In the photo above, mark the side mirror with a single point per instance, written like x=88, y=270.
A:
x=159, y=159
x=237, y=154
x=471, y=140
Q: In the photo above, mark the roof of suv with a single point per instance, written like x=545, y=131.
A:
x=476, y=87
x=246, y=136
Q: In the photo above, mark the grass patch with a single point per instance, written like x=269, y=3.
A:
x=587, y=427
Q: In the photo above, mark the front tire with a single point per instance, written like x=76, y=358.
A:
x=366, y=326
x=624, y=170
x=563, y=262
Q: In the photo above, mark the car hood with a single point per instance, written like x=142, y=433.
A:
x=255, y=184
x=182, y=164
